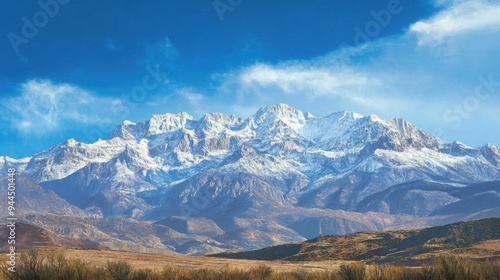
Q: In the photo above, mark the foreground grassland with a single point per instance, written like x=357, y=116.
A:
x=51, y=263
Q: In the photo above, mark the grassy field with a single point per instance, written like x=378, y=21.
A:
x=58, y=263
x=157, y=261
x=465, y=250
x=99, y=258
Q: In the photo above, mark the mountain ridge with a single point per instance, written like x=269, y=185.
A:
x=278, y=175
x=385, y=247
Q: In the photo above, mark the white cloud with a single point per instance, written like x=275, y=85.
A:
x=298, y=78
x=195, y=101
x=403, y=75
x=192, y=97
x=44, y=106
x=335, y=79
x=458, y=18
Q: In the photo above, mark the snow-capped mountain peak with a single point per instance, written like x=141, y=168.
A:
x=281, y=112
x=168, y=122
x=299, y=171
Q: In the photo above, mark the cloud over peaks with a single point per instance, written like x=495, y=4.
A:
x=458, y=18
x=44, y=106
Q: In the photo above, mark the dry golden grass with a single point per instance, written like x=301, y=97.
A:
x=99, y=258
x=54, y=263
x=490, y=246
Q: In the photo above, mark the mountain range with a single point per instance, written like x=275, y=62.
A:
x=176, y=184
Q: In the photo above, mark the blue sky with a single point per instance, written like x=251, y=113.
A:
x=75, y=69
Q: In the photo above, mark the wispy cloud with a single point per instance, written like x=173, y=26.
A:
x=343, y=78
x=194, y=100
x=458, y=18
x=419, y=75
x=298, y=78
x=403, y=75
x=43, y=106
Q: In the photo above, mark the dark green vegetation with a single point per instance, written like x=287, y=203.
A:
x=40, y=265
x=407, y=246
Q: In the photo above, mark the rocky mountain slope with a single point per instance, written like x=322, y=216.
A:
x=223, y=182
x=29, y=236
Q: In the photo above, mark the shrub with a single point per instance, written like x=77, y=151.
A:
x=145, y=274
x=41, y=265
x=450, y=268
x=119, y=270
x=262, y=272
x=29, y=266
x=354, y=271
